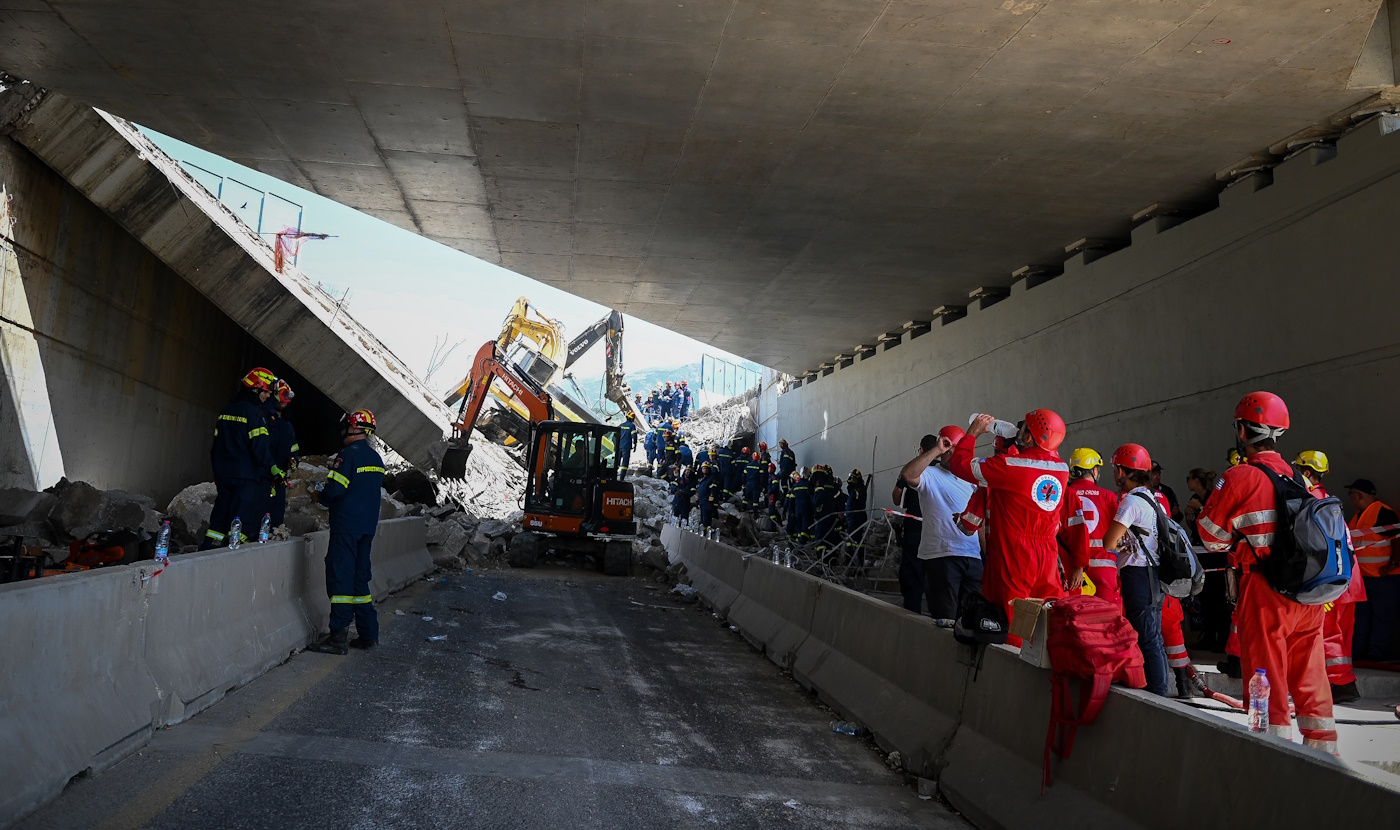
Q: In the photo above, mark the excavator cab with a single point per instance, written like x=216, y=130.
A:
x=572, y=491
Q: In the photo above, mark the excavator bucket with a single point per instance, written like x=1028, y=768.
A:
x=454, y=460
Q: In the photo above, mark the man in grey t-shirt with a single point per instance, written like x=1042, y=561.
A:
x=952, y=560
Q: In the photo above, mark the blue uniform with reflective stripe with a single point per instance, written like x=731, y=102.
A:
x=243, y=469
x=352, y=495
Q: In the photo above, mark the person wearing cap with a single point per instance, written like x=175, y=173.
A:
x=1024, y=491
x=241, y=455
x=351, y=494
x=1378, y=554
x=1277, y=635
x=1174, y=509
x=1133, y=534
x=952, y=560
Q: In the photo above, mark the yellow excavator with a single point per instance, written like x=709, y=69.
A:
x=532, y=348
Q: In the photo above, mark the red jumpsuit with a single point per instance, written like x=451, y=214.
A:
x=1276, y=634
x=1098, y=507
x=1024, y=492
x=1339, y=622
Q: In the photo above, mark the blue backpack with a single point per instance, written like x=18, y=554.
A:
x=1310, y=559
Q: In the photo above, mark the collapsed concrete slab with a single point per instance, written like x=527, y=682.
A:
x=111, y=163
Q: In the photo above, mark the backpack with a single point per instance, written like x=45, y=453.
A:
x=1178, y=569
x=1088, y=638
x=980, y=622
x=1310, y=559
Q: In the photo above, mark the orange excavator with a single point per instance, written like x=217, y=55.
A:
x=574, y=497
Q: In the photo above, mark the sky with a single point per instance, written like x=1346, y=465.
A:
x=414, y=293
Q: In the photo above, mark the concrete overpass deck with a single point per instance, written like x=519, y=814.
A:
x=579, y=701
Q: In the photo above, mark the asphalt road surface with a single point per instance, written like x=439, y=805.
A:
x=578, y=701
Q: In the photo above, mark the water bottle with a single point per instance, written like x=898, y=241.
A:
x=265, y=532
x=235, y=534
x=1004, y=429
x=775, y=555
x=163, y=544
x=1259, y=702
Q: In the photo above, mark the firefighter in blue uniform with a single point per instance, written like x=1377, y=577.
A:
x=285, y=448
x=352, y=495
x=775, y=494
x=724, y=461
x=799, y=511
x=627, y=440
x=244, y=468
x=706, y=492
x=787, y=463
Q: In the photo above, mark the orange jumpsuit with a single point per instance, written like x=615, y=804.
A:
x=1276, y=634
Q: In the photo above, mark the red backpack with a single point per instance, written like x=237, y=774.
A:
x=1088, y=638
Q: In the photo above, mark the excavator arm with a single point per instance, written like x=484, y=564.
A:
x=487, y=368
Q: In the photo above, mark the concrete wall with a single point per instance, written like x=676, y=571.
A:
x=94, y=662
x=1287, y=286
x=115, y=367
x=1147, y=763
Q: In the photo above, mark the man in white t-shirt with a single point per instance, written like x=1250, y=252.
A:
x=1133, y=533
x=952, y=560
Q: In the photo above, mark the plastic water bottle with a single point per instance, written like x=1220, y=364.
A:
x=163, y=544
x=1259, y=702
x=235, y=533
x=265, y=532
x=1005, y=429
x=775, y=555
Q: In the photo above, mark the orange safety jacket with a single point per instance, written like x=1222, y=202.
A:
x=1372, y=548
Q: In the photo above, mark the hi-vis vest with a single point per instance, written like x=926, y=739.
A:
x=1372, y=549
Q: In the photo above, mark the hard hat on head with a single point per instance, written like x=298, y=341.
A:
x=1085, y=459
x=1264, y=416
x=361, y=419
x=1233, y=457
x=259, y=379
x=854, y=476
x=745, y=450
x=782, y=442
x=1132, y=457
x=283, y=391
x=1314, y=460
x=1047, y=428
x=631, y=416
x=756, y=456
x=772, y=467
x=762, y=445
x=953, y=433
x=796, y=475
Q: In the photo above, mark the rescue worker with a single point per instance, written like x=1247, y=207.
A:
x=664, y=401
x=1097, y=506
x=1157, y=486
x=705, y=492
x=799, y=508
x=1276, y=634
x=242, y=458
x=285, y=448
x=649, y=444
x=724, y=458
x=737, y=471
x=1023, y=502
x=753, y=482
x=857, y=500
x=1133, y=535
x=913, y=584
x=682, y=490
x=821, y=504
x=787, y=462
x=352, y=495
x=685, y=399
x=685, y=455
x=1338, y=616
x=1378, y=554
x=627, y=441
x=774, y=494
x=668, y=454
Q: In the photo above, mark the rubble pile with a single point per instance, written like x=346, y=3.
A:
x=72, y=510
x=721, y=423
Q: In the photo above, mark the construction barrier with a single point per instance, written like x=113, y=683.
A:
x=980, y=731
x=94, y=662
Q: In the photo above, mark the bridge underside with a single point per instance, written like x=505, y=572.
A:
x=784, y=179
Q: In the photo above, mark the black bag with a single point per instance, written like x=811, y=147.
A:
x=979, y=621
x=1310, y=559
x=1178, y=569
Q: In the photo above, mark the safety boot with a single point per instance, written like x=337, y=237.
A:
x=1230, y=667
x=1345, y=693
x=363, y=644
x=1187, y=686
x=335, y=643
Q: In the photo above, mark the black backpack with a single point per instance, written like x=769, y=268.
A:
x=1178, y=569
x=980, y=622
x=1310, y=559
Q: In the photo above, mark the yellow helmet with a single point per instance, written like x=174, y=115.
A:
x=1089, y=589
x=1085, y=459
x=1312, y=459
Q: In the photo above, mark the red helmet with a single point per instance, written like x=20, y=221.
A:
x=1133, y=457
x=952, y=432
x=1047, y=429
x=762, y=445
x=1264, y=414
x=259, y=379
x=744, y=451
x=283, y=391
x=756, y=457
x=772, y=467
x=361, y=419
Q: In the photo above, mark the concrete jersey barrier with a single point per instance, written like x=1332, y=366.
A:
x=94, y=662
x=1147, y=763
